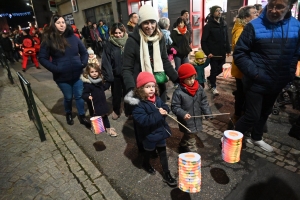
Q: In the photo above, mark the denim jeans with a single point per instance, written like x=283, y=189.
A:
x=70, y=89
x=179, y=61
x=258, y=109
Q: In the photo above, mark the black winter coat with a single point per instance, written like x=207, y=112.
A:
x=181, y=43
x=132, y=63
x=183, y=103
x=6, y=44
x=215, y=38
x=97, y=92
x=66, y=66
x=112, y=62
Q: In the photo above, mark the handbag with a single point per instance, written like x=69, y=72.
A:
x=160, y=77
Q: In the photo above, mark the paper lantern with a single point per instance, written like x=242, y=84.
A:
x=231, y=146
x=97, y=124
x=189, y=166
x=226, y=70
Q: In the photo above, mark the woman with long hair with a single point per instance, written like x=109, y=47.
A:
x=112, y=63
x=68, y=58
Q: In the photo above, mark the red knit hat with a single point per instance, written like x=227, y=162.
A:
x=144, y=78
x=186, y=70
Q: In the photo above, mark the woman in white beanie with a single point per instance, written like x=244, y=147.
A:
x=145, y=50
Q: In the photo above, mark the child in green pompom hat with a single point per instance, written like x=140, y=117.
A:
x=200, y=63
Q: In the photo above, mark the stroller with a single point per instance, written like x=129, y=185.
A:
x=289, y=95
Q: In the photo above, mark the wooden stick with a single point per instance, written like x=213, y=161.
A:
x=217, y=56
x=212, y=115
x=179, y=123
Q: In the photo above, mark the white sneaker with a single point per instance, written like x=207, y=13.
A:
x=215, y=91
x=261, y=144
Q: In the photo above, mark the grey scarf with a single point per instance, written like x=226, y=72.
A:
x=95, y=81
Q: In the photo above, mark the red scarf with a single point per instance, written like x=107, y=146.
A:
x=152, y=99
x=191, y=89
x=182, y=30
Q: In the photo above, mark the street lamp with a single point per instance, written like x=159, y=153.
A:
x=31, y=5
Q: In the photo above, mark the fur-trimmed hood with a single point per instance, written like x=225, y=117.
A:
x=129, y=98
x=85, y=80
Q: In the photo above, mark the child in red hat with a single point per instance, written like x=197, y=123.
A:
x=189, y=100
x=149, y=115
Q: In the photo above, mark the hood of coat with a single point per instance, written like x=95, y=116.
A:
x=85, y=80
x=129, y=98
x=239, y=24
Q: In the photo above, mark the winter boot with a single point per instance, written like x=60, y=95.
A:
x=169, y=179
x=69, y=118
x=83, y=120
x=146, y=164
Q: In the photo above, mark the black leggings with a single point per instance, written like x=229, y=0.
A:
x=162, y=152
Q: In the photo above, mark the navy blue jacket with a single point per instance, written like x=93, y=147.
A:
x=149, y=122
x=66, y=66
x=97, y=92
x=267, y=53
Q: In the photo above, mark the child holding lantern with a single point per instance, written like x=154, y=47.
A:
x=189, y=100
x=149, y=114
x=93, y=93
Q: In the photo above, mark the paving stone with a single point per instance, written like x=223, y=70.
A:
x=97, y=196
x=260, y=155
x=290, y=162
x=285, y=148
x=276, y=144
x=250, y=150
x=291, y=168
x=271, y=159
x=48, y=190
x=294, y=151
x=281, y=164
x=278, y=157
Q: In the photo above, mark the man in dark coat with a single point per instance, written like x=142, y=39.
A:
x=7, y=47
x=215, y=44
x=133, y=20
x=267, y=54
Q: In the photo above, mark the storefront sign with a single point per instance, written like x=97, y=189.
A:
x=74, y=5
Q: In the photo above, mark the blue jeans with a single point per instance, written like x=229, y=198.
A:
x=258, y=109
x=179, y=61
x=70, y=89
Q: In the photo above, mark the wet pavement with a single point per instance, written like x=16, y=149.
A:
x=86, y=166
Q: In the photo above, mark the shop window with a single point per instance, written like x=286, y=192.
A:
x=103, y=12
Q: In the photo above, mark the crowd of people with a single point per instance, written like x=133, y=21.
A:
x=136, y=64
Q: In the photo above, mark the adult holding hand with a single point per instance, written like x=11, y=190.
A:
x=145, y=50
x=68, y=58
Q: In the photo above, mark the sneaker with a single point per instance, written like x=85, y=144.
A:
x=169, y=179
x=214, y=91
x=261, y=144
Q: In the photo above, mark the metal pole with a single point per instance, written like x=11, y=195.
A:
x=31, y=4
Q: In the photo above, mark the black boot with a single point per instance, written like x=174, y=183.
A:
x=148, y=168
x=83, y=120
x=169, y=179
x=69, y=119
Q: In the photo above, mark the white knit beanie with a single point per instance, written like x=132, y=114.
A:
x=90, y=51
x=147, y=12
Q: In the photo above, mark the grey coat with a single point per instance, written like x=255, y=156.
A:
x=183, y=103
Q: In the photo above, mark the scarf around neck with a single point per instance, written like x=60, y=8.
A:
x=191, y=89
x=119, y=42
x=94, y=81
x=152, y=99
x=145, y=56
x=182, y=30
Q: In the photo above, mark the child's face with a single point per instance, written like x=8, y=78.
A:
x=91, y=55
x=149, y=89
x=190, y=80
x=200, y=60
x=94, y=73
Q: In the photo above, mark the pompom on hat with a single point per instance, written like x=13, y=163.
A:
x=144, y=78
x=199, y=54
x=213, y=9
x=90, y=51
x=186, y=70
x=147, y=12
